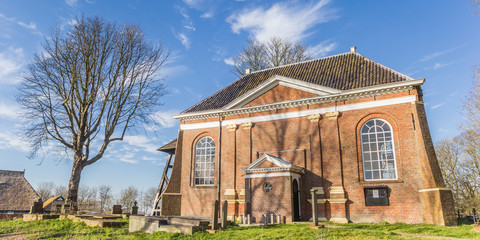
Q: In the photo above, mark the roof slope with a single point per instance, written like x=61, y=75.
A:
x=50, y=200
x=169, y=147
x=16, y=194
x=343, y=72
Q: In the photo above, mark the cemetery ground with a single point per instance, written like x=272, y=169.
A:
x=66, y=229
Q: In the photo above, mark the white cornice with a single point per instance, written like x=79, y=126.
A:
x=343, y=95
x=303, y=113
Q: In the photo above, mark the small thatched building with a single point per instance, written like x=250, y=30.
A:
x=16, y=193
x=53, y=204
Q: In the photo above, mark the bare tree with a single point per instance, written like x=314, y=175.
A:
x=146, y=200
x=45, y=190
x=127, y=197
x=60, y=190
x=88, y=87
x=87, y=198
x=261, y=55
x=104, y=196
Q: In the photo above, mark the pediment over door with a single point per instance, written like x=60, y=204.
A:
x=268, y=164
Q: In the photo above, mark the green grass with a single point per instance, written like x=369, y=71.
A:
x=66, y=229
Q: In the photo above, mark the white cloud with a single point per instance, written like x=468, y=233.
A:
x=437, y=54
x=141, y=142
x=165, y=118
x=184, y=40
x=71, y=2
x=10, y=140
x=437, y=106
x=321, y=49
x=10, y=63
x=30, y=26
x=229, y=61
x=9, y=111
x=193, y=3
x=188, y=23
x=291, y=21
x=207, y=15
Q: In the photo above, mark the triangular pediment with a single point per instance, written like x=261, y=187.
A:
x=269, y=163
x=280, y=89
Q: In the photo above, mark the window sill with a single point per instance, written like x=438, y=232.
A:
x=194, y=186
x=381, y=182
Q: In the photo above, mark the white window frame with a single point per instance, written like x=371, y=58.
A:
x=205, y=156
x=379, y=152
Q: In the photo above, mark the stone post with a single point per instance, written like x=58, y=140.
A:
x=215, y=215
x=314, y=207
x=224, y=214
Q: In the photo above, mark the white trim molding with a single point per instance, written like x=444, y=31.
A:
x=434, y=189
x=275, y=174
x=304, y=113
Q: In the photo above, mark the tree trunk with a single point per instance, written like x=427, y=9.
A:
x=73, y=184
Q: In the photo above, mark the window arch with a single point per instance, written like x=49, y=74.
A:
x=378, y=151
x=204, y=174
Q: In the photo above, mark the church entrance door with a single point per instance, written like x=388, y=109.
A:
x=296, y=201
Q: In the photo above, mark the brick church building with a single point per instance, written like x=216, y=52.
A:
x=351, y=128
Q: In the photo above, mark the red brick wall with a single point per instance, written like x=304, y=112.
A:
x=330, y=152
x=277, y=201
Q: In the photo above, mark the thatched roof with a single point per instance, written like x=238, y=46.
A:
x=16, y=194
x=50, y=200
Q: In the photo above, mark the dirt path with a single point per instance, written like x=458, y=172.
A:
x=13, y=236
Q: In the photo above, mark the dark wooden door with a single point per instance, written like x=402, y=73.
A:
x=296, y=197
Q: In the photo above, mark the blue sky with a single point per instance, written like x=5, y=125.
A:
x=433, y=39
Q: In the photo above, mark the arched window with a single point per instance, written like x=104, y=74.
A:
x=204, y=162
x=378, y=150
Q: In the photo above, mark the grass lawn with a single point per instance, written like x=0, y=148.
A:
x=66, y=229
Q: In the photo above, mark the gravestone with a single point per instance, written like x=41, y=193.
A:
x=249, y=219
x=241, y=220
x=272, y=219
x=224, y=214
x=135, y=208
x=264, y=219
x=215, y=215
x=117, y=209
x=37, y=207
x=279, y=219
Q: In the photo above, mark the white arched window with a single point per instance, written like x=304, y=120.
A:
x=204, y=162
x=378, y=151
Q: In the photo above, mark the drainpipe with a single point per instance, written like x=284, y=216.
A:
x=219, y=156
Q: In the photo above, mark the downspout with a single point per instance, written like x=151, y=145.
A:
x=219, y=157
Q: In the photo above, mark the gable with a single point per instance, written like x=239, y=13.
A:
x=279, y=89
x=279, y=93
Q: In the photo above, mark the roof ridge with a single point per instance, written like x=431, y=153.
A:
x=301, y=62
